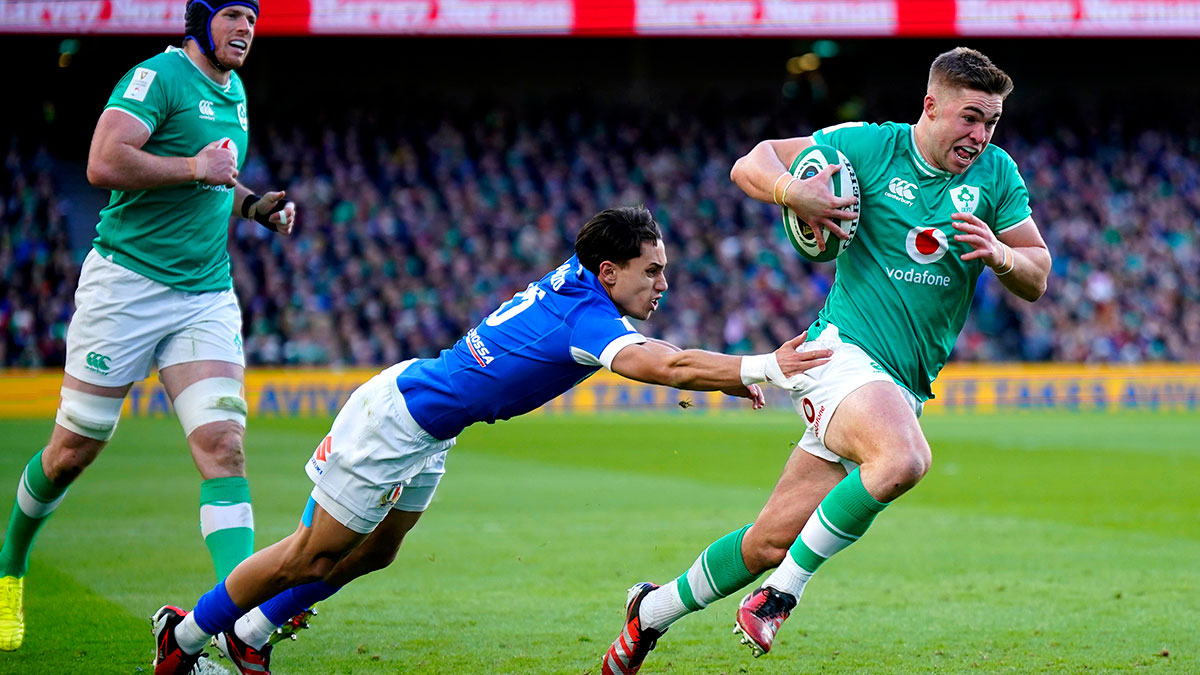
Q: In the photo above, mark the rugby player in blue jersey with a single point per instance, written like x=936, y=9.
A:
x=377, y=469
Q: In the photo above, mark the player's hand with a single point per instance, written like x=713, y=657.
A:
x=983, y=242
x=279, y=215
x=793, y=362
x=215, y=165
x=752, y=392
x=813, y=202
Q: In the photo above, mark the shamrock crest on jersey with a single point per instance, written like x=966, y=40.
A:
x=965, y=198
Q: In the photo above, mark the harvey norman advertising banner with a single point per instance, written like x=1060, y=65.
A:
x=960, y=389
x=813, y=18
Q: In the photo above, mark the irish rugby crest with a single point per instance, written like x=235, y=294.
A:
x=965, y=198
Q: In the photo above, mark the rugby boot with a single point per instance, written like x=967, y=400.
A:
x=169, y=658
x=759, y=616
x=627, y=653
x=294, y=625
x=12, y=613
x=247, y=659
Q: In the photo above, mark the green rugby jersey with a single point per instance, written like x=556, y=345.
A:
x=176, y=235
x=900, y=291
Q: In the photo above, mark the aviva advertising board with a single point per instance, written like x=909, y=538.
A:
x=960, y=389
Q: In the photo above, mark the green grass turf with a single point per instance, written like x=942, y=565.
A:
x=1040, y=542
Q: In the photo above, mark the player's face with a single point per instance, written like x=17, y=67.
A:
x=963, y=121
x=638, y=286
x=232, y=32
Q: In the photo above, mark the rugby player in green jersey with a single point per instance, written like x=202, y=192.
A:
x=156, y=290
x=940, y=205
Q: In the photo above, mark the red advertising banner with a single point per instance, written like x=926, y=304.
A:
x=446, y=17
x=801, y=18
x=1131, y=18
x=765, y=17
x=91, y=16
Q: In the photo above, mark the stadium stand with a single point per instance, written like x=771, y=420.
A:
x=40, y=271
x=412, y=232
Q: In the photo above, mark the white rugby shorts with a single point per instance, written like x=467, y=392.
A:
x=376, y=457
x=125, y=324
x=827, y=386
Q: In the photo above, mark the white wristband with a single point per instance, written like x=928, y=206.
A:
x=755, y=368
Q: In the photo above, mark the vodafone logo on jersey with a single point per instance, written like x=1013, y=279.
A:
x=926, y=244
x=813, y=415
x=228, y=144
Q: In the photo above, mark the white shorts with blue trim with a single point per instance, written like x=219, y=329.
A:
x=376, y=457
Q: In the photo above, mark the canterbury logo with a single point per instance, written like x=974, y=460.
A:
x=206, y=109
x=97, y=362
x=323, y=449
x=902, y=189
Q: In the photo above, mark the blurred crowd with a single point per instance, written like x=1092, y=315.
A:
x=40, y=268
x=410, y=233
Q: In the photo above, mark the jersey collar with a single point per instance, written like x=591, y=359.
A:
x=223, y=87
x=919, y=161
x=587, y=279
x=584, y=276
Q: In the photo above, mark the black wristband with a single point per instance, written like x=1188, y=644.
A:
x=264, y=219
x=247, y=203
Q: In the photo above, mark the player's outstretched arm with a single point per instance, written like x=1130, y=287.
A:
x=658, y=362
x=271, y=209
x=116, y=160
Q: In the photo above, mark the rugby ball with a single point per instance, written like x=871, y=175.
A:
x=807, y=164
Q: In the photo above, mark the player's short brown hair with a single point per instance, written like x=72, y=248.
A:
x=966, y=68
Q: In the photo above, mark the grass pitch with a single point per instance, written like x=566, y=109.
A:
x=1040, y=542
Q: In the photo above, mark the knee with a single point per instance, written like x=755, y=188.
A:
x=375, y=555
x=904, y=469
x=82, y=426
x=221, y=445
x=64, y=472
x=67, y=456
x=372, y=556
x=302, y=569
x=213, y=415
x=228, y=445
x=379, y=559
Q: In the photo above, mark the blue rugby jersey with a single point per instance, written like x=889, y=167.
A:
x=547, y=339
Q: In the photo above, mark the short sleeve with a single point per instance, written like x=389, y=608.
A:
x=598, y=336
x=142, y=93
x=1012, y=200
x=867, y=146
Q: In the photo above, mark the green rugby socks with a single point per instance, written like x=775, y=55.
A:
x=226, y=519
x=840, y=520
x=36, y=499
x=227, y=522
x=719, y=571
